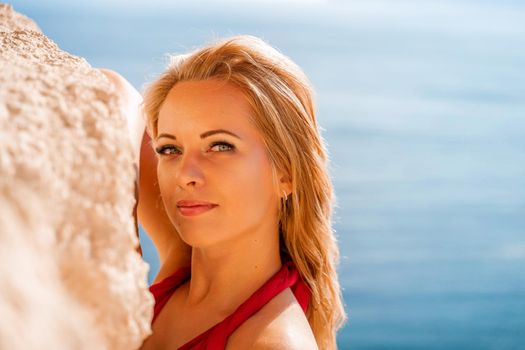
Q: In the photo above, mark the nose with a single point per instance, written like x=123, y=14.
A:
x=189, y=171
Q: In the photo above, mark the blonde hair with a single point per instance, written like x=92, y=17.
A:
x=282, y=101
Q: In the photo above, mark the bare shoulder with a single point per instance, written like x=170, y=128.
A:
x=279, y=325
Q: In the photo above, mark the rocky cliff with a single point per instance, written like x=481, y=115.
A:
x=70, y=276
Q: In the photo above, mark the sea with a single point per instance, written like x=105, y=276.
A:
x=422, y=107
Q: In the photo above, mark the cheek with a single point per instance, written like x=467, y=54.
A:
x=162, y=179
x=166, y=186
x=250, y=183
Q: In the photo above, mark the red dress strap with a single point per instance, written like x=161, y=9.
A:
x=163, y=290
x=216, y=337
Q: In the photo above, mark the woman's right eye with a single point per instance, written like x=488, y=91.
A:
x=166, y=150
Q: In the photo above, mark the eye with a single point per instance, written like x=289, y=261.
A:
x=166, y=150
x=222, y=146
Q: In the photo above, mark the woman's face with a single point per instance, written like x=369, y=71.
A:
x=209, y=151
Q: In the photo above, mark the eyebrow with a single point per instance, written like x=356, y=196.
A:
x=203, y=135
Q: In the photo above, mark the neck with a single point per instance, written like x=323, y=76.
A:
x=222, y=277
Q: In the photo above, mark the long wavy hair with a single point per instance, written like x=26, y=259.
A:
x=281, y=98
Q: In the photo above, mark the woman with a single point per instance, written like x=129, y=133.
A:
x=235, y=194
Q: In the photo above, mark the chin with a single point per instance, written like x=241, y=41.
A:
x=196, y=238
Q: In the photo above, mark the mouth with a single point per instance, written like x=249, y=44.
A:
x=187, y=208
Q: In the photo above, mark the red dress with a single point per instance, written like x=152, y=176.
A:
x=215, y=338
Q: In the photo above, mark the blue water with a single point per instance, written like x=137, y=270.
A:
x=423, y=108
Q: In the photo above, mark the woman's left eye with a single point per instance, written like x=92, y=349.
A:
x=222, y=146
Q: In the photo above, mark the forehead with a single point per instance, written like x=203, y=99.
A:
x=195, y=105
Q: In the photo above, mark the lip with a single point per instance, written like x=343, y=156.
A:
x=194, y=207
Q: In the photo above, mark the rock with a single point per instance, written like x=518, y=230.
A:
x=11, y=20
x=70, y=274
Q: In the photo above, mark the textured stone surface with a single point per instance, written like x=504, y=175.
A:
x=11, y=20
x=70, y=275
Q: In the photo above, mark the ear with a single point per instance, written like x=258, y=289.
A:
x=285, y=184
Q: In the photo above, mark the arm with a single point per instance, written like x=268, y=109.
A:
x=129, y=101
x=152, y=213
x=149, y=210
